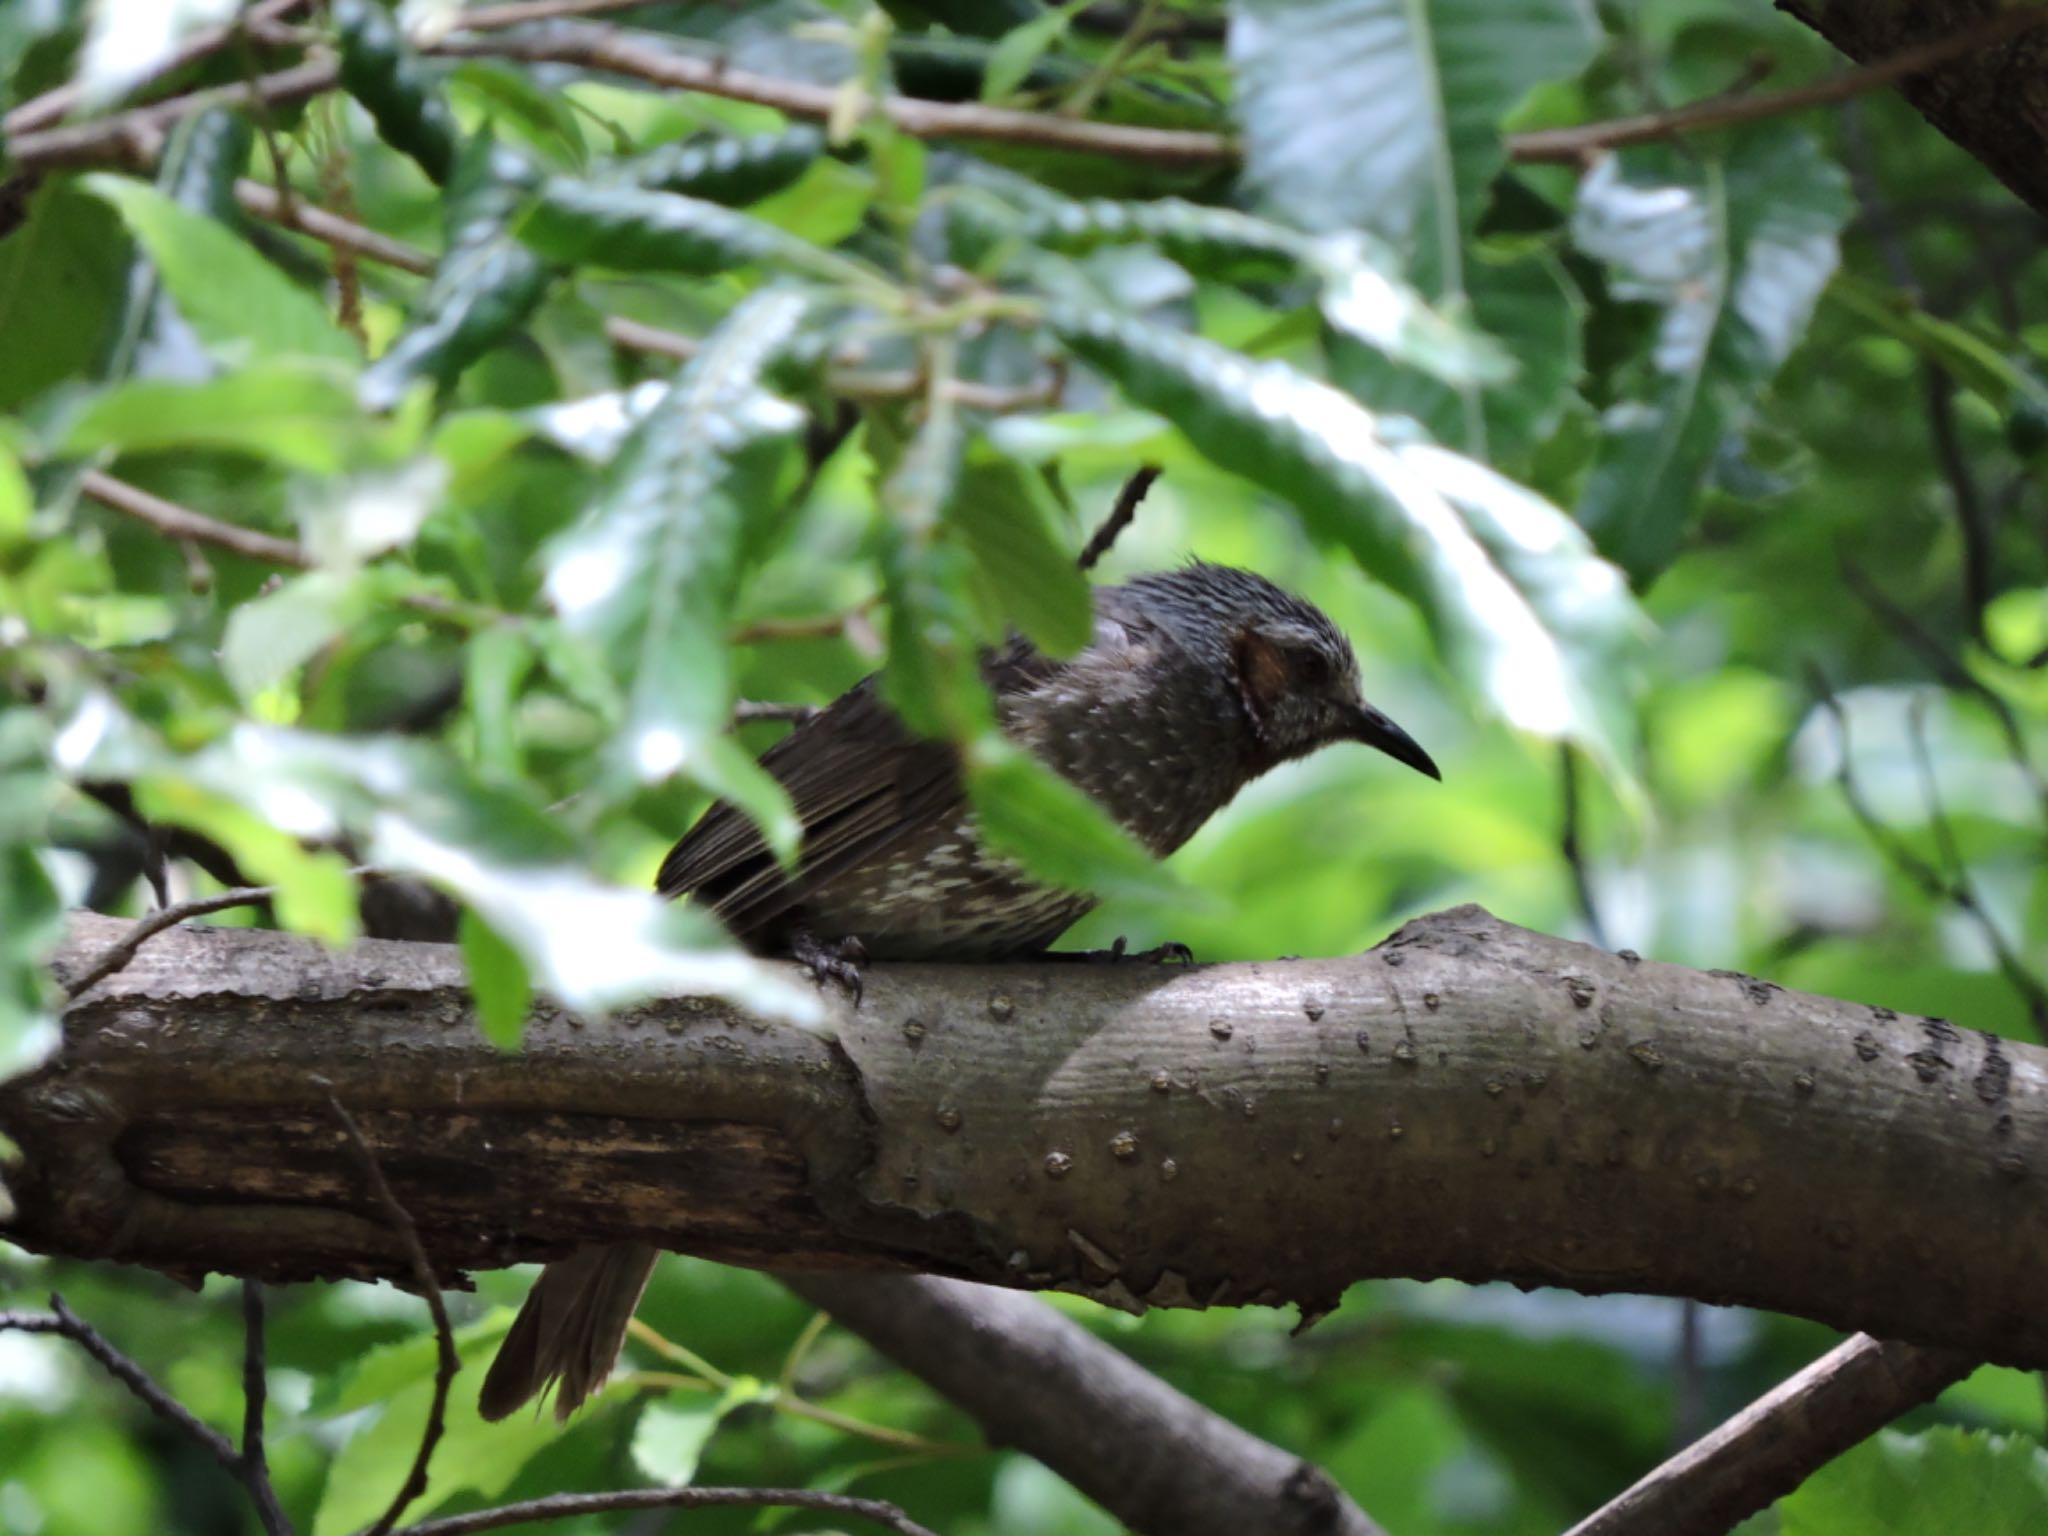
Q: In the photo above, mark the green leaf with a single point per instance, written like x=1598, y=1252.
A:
x=498, y=662
x=472, y=1456
x=932, y=673
x=1976, y=362
x=1737, y=249
x=497, y=982
x=1529, y=304
x=669, y=1440
x=263, y=792
x=1050, y=827
x=290, y=411
x=485, y=286
x=1938, y=1481
x=242, y=307
x=1008, y=522
x=201, y=160
x=632, y=229
x=31, y=921
x=61, y=274
x=377, y=1373
x=1361, y=292
x=1384, y=115
x=1525, y=612
x=403, y=99
x=726, y=168
x=1017, y=52
x=270, y=637
x=315, y=893
x=17, y=501
x=649, y=571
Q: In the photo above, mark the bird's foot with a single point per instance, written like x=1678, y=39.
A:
x=838, y=962
x=1158, y=954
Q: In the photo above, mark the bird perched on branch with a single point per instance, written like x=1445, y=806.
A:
x=1195, y=682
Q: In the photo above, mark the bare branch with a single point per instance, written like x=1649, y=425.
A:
x=65, y=1323
x=1574, y=144
x=1962, y=890
x=124, y=949
x=562, y=1506
x=342, y=234
x=183, y=523
x=254, y=1462
x=1127, y=502
x=1770, y=1448
x=852, y=384
x=1569, y=845
x=447, y=1361
x=614, y=52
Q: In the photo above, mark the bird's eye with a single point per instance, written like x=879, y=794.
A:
x=1309, y=668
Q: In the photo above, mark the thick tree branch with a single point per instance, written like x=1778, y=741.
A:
x=1469, y=1100
x=1155, y=1459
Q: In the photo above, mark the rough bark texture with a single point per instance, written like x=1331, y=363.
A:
x=1045, y=1385
x=1994, y=103
x=1470, y=1100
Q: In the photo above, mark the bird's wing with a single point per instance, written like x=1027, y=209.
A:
x=860, y=782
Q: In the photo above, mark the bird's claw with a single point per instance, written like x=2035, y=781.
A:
x=1170, y=952
x=840, y=962
x=1120, y=951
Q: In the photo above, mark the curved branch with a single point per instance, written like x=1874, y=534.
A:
x=1773, y=1445
x=1048, y=1387
x=1469, y=1100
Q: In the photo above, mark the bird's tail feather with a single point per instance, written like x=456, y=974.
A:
x=570, y=1330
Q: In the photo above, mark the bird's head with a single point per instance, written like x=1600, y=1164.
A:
x=1299, y=684
x=1285, y=663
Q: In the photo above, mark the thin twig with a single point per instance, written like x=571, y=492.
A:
x=255, y=1397
x=605, y=49
x=1572, y=145
x=1570, y=847
x=65, y=1323
x=447, y=1361
x=2033, y=992
x=1948, y=668
x=342, y=234
x=119, y=954
x=562, y=1506
x=183, y=523
x=1933, y=883
x=1770, y=1447
x=850, y=384
x=1120, y=515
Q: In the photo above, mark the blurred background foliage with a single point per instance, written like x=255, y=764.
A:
x=1785, y=377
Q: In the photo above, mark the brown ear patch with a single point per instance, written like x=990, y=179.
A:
x=1262, y=675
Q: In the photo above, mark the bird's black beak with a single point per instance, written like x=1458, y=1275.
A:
x=1376, y=730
